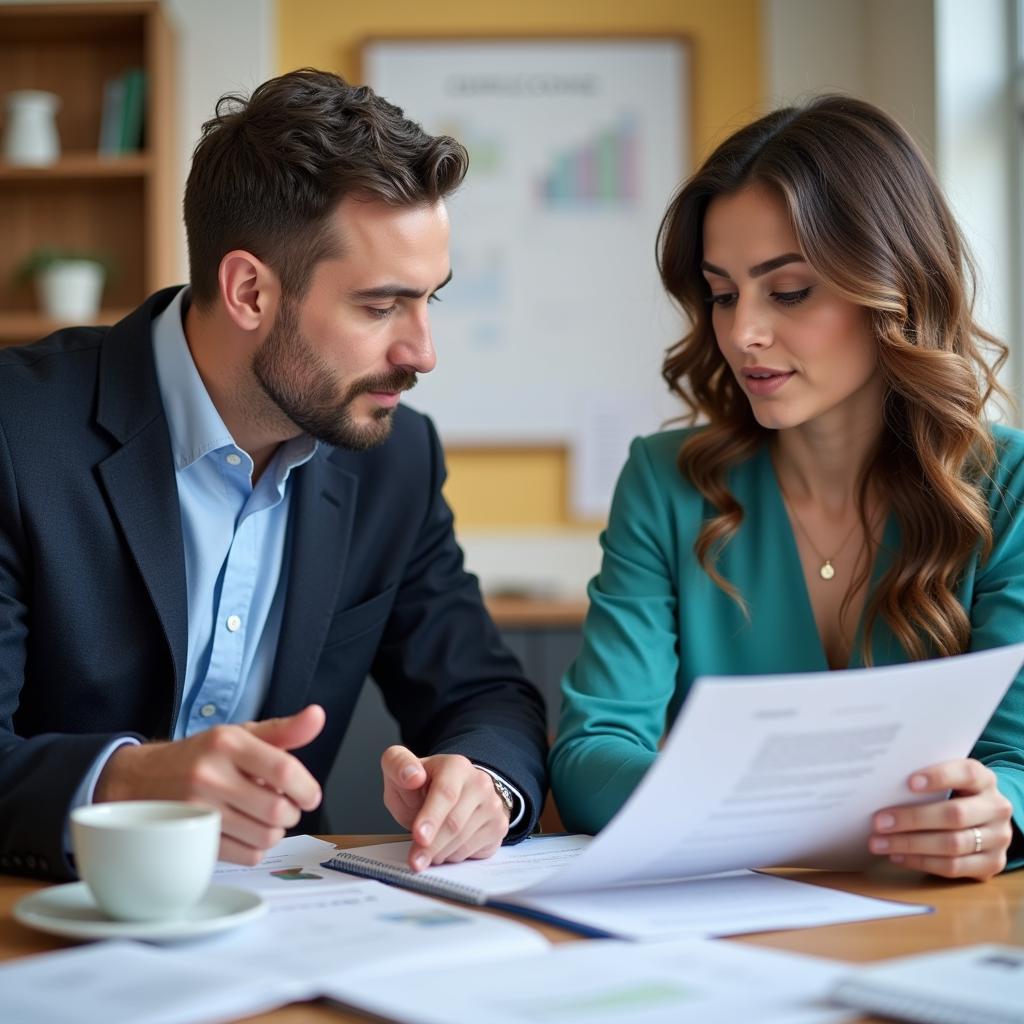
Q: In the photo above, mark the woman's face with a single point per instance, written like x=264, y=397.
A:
x=799, y=350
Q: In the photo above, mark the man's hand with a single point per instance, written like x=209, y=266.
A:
x=242, y=770
x=966, y=836
x=448, y=804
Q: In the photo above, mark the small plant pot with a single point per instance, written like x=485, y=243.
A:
x=70, y=290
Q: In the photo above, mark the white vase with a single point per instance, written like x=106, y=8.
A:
x=31, y=134
x=70, y=290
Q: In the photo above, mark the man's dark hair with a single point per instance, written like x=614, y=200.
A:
x=268, y=172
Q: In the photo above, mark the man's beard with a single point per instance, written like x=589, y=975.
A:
x=301, y=384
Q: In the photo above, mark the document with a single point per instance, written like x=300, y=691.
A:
x=808, y=761
x=127, y=982
x=731, y=903
x=691, y=982
x=788, y=770
x=970, y=985
x=365, y=928
x=291, y=866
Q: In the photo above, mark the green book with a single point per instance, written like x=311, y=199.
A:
x=133, y=110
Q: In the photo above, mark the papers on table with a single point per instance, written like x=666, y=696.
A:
x=290, y=867
x=364, y=929
x=614, y=983
x=972, y=985
x=732, y=903
x=304, y=945
x=735, y=903
x=519, y=982
x=127, y=983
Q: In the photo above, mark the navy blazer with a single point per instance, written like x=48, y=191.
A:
x=93, y=607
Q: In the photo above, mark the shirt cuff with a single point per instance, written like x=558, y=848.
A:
x=87, y=787
x=518, y=803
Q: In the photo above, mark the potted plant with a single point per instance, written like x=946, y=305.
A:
x=69, y=282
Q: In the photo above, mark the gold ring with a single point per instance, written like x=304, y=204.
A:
x=977, y=839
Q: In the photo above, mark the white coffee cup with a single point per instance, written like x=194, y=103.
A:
x=146, y=860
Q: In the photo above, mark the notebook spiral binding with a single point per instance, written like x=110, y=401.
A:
x=404, y=877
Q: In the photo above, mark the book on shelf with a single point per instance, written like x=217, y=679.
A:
x=133, y=118
x=111, y=117
x=122, y=119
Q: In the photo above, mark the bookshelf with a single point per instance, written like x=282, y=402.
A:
x=123, y=206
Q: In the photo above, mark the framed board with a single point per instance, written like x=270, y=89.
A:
x=554, y=326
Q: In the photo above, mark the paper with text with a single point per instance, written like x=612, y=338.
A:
x=789, y=769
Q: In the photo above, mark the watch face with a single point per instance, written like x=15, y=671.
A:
x=506, y=795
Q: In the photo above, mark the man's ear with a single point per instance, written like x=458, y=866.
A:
x=249, y=290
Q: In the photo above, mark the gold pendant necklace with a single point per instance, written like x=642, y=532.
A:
x=826, y=570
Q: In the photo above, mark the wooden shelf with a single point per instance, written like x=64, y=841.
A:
x=74, y=166
x=124, y=207
x=20, y=328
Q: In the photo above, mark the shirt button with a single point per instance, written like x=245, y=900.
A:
x=233, y=459
x=234, y=623
x=207, y=710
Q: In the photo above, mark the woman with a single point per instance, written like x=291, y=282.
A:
x=845, y=504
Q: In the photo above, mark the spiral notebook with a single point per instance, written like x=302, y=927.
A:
x=524, y=879
x=971, y=985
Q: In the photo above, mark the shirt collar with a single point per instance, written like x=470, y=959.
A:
x=195, y=426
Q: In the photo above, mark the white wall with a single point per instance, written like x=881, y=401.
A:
x=943, y=68
x=880, y=50
x=977, y=135
x=223, y=46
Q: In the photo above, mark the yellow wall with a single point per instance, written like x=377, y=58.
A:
x=528, y=487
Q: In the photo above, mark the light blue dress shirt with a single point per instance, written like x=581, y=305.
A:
x=234, y=539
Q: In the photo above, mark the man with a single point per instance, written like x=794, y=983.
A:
x=216, y=518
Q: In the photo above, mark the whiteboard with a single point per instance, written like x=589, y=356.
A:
x=555, y=313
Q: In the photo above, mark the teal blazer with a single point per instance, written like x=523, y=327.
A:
x=657, y=621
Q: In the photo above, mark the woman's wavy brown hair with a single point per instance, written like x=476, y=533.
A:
x=872, y=222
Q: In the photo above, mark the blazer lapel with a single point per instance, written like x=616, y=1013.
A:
x=320, y=529
x=139, y=476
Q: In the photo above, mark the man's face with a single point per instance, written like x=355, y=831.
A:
x=336, y=361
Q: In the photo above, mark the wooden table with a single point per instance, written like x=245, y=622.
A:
x=965, y=913
x=537, y=612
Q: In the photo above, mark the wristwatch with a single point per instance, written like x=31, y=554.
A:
x=505, y=795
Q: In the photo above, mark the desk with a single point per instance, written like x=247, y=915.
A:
x=965, y=913
x=542, y=613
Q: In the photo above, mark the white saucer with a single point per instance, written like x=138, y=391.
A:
x=70, y=910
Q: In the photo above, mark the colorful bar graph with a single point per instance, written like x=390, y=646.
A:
x=602, y=171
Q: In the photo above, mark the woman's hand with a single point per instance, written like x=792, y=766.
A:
x=966, y=836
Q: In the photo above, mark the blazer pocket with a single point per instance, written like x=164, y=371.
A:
x=350, y=623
